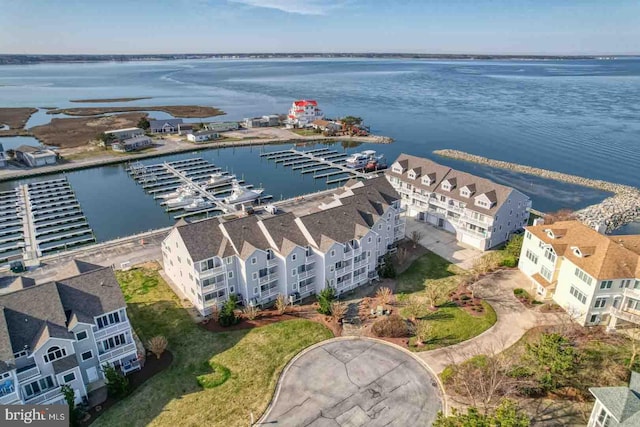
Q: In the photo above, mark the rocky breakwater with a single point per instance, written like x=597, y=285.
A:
x=623, y=207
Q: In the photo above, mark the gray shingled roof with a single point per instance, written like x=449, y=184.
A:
x=6, y=353
x=155, y=124
x=338, y=224
x=27, y=310
x=203, y=239
x=246, y=230
x=92, y=293
x=75, y=267
x=621, y=402
x=11, y=284
x=64, y=364
x=283, y=227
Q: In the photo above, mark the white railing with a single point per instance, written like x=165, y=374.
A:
x=482, y=235
x=269, y=292
x=305, y=274
x=44, y=397
x=9, y=397
x=271, y=262
x=344, y=284
x=29, y=373
x=127, y=348
x=113, y=329
x=309, y=258
x=343, y=269
x=360, y=263
x=306, y=288
x=632, y=293
x=212, y=272
x=268, y=278
x=626, y=314
x=486, y=222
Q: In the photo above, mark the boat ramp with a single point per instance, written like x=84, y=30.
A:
x=323, y=163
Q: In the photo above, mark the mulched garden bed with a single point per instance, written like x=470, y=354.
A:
x=152, y=366
x=464, y=299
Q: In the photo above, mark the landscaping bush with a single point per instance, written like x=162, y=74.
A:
x=251, y=312
x=387, y=271
x=325, y=298
x=157, y=345
x=393, y=326
x=217, y=377
x=509, y=261
x=338, y=310
x=227, y=316
x=117, y=384
x=281, y=304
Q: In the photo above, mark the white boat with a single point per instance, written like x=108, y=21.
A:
x=199, y=204
x=360, y=160
x=183, y=190
x=220, y=178
x=240, y=194
x=180, y=201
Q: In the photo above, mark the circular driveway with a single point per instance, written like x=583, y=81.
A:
x=354, y=382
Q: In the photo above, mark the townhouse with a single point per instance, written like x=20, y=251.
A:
x=62, y=333
x=123, y=134
x=339, y=244
x=302, y=113
x=595, y=277
x=616, y=406
x=481, y=213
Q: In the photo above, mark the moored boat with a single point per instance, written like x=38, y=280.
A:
x=240, y=194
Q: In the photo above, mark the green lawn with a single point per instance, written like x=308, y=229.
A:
x=306, y=132
x=432, y=267
x=451, y=324
x=254, y=357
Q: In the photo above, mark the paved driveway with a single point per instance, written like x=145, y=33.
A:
x=355, y=382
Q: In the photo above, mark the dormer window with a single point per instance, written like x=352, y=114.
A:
x=468, y=190
x=411, y=175
x=54, y=353
x=576, y=251
x=426, y=180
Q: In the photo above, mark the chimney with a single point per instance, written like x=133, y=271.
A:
x=538, y=221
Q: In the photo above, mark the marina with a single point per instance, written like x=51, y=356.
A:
x=323, y=163
x=192, y=187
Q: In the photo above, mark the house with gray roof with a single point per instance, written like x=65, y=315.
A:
x=340, y=244
x=165, y=126
x=62, y=333
x=481, y=213
x=617, y=406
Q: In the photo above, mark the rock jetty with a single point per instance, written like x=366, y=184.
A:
x=613, y=212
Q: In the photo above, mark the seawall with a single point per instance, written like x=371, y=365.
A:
x=620, y=209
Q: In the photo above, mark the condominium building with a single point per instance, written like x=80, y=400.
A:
x=339, y=244
x=62, y=333
x=481, y=213
x=303, y=112
x=596, y=278
x=616, y=406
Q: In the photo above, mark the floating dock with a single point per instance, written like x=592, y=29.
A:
x=11, y=229
x=163, y=179
x=323, y=163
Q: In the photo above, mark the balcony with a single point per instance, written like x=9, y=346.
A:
x=632, y=293
x=305, y=274
x=272, y=261
x=212, y=272
x=626, y=314
x=25, y=374
x=360, y=264
x=52, y=394
x=310, y=258
x=269, y=292
x=478, y=234
x=8, y=393
x=486, y=222
x=267, y=278
x=113, y=329
x=306, y=288
x=345, y=268
x=118, y=351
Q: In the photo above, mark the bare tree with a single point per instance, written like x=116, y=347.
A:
x=413, y=307
x=423, y=331
x=157, y=345
x=415, y=237
x=486, y=263
x=384, y=295
x=281, y=304
x=338, y=310
x=434, y=292
x=634, y=336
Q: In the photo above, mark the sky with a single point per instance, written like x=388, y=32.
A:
x=565, y=27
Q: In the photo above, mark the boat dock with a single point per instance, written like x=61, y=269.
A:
x=323, y=163
x=41, y=218
x=162, y=180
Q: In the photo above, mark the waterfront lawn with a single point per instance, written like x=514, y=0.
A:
x=306, y=132
x=254, y=357
x=451, y=324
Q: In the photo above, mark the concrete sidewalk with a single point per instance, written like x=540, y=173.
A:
x=514, y=319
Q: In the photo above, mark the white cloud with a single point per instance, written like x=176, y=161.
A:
x=300, y=7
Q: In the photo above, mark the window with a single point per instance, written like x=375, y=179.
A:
x=254, y=275
x=39, y=386
x=253, y=260
x=293, y=257
x=214, y=295
x=606, y=284
x=528, y=235
x=593, y=318
x=600, y=302
x=546, y=273
x=255, y=290
x=69, y=377
x=369, y=239
x=114, y=341
x=294, y=272
x=531, y=256
x=636, y=285
x=231, y=289
x=179, y=259
x=585, y=277
x=578, y=295
x=82, y=335
x=229, y=260
x=230, y=274
x=333, y=253
x=54, y=353
x=108, y=319
x=625, y=283
x=604, y=419
x=86, y=355
x=549, y=254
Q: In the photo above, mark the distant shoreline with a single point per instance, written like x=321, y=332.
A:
x=9, y=59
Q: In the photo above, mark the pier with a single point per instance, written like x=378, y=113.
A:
x=613, y=212
x=162, y=179
x=323, y=163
